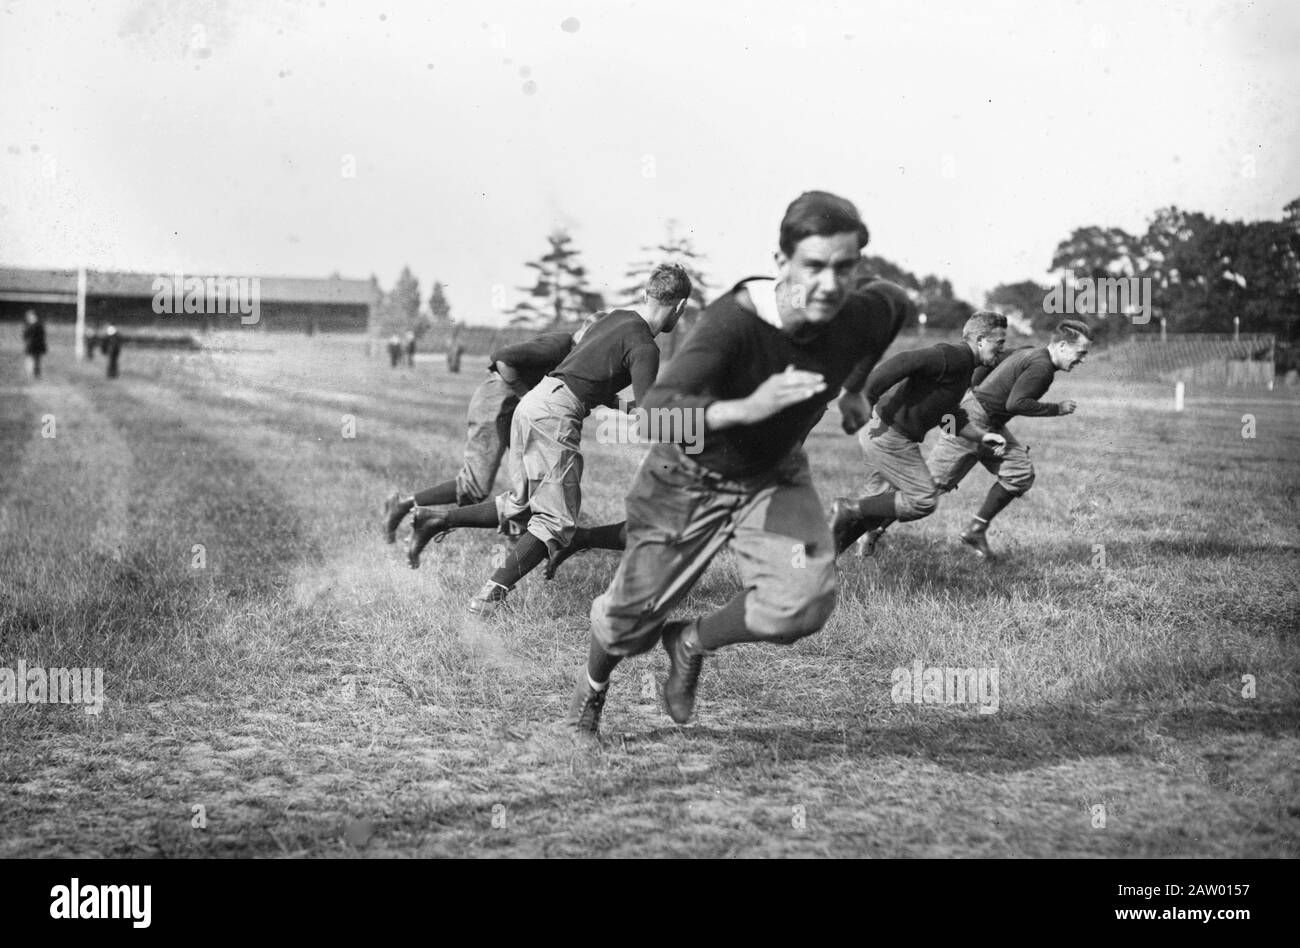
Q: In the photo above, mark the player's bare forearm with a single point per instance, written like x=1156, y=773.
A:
x=779, y=391
x=727, y=414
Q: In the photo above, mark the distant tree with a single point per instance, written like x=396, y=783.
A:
x=942, y=308
x=439, y=308
x=406, y=296
x=398, y=311
x=1098, y=252
x=878, y=268
x=1253, y=274
x=1021, y=303
x=558, y=294
x=1291, y=214
x=933, y=295
x=1203, y=272
x=1182, y=266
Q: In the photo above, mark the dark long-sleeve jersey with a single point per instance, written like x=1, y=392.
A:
x=1015, y=386
x=936, y=380
x=618, y=350
x=536, y=357
x=732, y=351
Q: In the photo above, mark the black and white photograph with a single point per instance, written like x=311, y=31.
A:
x=683, y=430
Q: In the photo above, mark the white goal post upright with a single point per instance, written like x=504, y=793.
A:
x=79, y=334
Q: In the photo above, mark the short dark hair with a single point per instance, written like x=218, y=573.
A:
x=983, y=322
x=1070, y=330
x=820, y=214
x=669, y=283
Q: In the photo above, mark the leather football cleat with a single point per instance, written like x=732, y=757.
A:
x=488, y=600
x=394, y=513
x=847, y=524
x=585, y=707
x=427, y=525
x=683, y=674
x=869, y=540
x=976, y=540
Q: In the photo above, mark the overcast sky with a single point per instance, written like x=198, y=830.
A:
x=218, y=136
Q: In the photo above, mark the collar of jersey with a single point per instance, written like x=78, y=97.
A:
x=762, y=293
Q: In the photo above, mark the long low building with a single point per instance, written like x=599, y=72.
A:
x=190, y=301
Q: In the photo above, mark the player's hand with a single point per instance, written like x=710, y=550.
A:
x=782, y=390
x=854, y=411
x=995, y=443
x=1068, y=406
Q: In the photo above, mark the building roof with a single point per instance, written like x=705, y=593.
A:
x=15, y=280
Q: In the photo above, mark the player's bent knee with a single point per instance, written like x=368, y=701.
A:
x=791, y=617
x=621, y=633
x=1018, y=483
x=916, y=506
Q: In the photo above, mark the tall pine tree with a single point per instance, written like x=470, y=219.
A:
x=561, y=293
x=439, y=308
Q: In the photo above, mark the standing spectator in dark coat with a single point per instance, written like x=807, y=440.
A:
x=410, y=349
x=34, y=343
x=112, y=346
x=454, y=353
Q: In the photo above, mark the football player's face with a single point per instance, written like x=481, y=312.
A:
x=991, y=346
x=1072, y=355
x=818, y=274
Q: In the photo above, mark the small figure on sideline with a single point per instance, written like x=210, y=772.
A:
x=410, y=349
x=454, y=352
x=394, y=349
x=33, y=343
x=112, y=346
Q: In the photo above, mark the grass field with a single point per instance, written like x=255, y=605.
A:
x=201, y=530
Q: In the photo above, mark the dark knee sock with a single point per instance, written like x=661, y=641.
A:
x=600, y=664
x=998, y=497
x=436, y=496
x=520, y=560
x=879, y=506
x=475, y=515
x=612, y=536
x=725, y=627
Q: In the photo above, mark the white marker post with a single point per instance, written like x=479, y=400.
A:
x=1178, y=396
x=79, y=334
